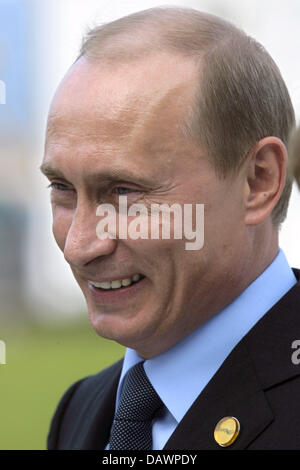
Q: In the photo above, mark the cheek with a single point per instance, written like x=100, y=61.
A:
x=60, y=227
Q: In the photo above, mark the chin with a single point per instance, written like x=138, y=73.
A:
x=127, y=332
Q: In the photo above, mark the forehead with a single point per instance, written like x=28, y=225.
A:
x=100, y=100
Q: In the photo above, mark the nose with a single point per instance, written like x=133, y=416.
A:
x=82, y=244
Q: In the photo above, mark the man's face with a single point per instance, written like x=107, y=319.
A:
x=116, y=129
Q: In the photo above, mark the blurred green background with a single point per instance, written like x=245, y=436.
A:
x=41, y=363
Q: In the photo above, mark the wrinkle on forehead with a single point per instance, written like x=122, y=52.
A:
x=94, y=123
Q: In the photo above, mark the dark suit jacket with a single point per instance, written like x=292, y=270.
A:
x=258, y=383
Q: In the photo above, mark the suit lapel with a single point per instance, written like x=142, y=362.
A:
x=233, y=391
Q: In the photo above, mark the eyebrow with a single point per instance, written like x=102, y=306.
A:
x=49, y=171
x=114, y=175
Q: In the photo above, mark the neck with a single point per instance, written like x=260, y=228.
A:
x=265, y=248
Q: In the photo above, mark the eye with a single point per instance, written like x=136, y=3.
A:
x=124, y=190
x=59, y=186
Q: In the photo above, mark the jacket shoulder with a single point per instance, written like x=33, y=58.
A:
x=77, y=396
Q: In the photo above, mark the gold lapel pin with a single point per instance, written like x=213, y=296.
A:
x=226, y=431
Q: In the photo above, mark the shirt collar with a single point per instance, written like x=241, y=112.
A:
x=180, y=374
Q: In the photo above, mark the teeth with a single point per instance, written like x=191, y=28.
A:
x=103, y=285
x=117, y=283
x=126, y=282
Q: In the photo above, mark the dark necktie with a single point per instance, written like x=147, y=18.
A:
x=132, y=426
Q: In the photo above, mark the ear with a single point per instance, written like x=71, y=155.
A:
x=265, y=179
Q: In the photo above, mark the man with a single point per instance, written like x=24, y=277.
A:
x=177, y=106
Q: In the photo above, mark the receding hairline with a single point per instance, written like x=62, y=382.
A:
x=170, y=29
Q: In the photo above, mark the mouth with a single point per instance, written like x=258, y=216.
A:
x=117, y=284
x=116, y=291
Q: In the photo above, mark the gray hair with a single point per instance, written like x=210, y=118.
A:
x=241, y=98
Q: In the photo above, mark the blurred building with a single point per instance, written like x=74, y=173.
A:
x=31, y=280
x=16, y=128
